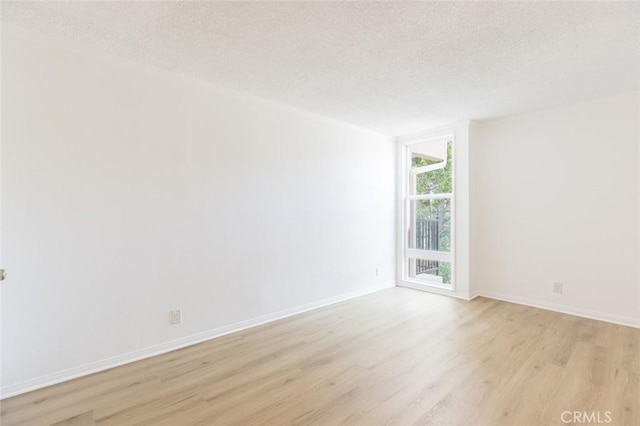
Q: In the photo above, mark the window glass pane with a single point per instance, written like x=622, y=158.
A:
x=431, y=167
x=430, y=224
x=430, y=271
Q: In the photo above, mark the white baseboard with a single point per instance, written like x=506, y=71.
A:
x=94, y=367
x=565, y=309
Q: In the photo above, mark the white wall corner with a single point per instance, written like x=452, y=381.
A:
x=462, y=208
x=474, y=145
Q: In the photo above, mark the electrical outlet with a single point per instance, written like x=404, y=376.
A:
x=557, y=287
x=176, y=316
x=377, y=272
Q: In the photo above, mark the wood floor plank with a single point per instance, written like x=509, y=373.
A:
x=84, y=419
x=396, y=357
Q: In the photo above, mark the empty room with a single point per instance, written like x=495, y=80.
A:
x=319, y=213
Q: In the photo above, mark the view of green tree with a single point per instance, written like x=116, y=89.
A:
x=436, y=182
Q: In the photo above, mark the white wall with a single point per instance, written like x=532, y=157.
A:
x=555, y=197
x=128, y=192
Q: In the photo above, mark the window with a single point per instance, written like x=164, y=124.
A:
x=428, y=212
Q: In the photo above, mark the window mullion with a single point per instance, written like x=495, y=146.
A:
x=429, y=197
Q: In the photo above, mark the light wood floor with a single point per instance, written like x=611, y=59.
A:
x=397, y=357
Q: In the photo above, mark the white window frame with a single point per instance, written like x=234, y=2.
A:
x=465, y=136
x=406, y=198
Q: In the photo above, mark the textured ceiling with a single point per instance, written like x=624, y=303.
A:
x=395, y=67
